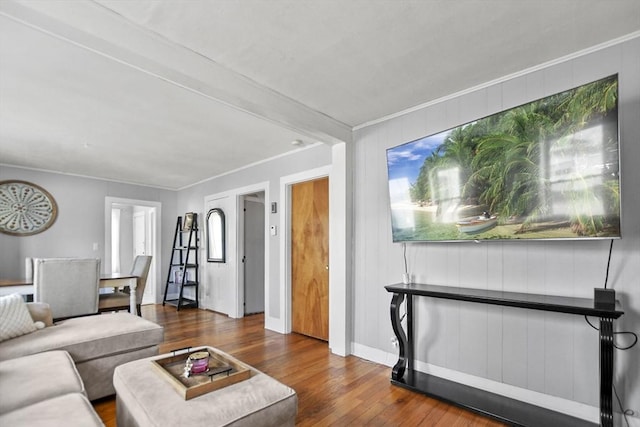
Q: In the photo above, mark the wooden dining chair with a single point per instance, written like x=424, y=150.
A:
x=120, y=298
x=68, y=285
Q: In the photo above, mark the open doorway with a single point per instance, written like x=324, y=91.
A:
x=132, y=228
x=252, y=250
x=224, y=282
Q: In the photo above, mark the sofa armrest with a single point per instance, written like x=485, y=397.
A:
x=40, y=311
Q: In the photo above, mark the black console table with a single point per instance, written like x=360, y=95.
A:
x=499, y=407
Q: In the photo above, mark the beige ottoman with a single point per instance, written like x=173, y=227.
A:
x=145, y=398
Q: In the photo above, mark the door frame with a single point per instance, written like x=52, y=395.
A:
x=286, y=182
x=156, y=236
x=242, y=198
x=235, y=230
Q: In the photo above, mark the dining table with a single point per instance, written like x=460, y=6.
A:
x=107, y=280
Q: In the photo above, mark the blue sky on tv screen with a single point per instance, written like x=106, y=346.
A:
x=406, y=160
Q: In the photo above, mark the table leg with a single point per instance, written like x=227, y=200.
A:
x=606, y=372
x=399, y=367
x=132, y=296
x=132, y=302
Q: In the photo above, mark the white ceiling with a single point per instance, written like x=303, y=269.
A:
x=169, y=93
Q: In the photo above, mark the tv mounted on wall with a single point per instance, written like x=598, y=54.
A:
x=548, y=169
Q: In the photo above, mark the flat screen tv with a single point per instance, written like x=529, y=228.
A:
x=548, y=169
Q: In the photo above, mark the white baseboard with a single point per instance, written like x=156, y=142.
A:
x=558, y=404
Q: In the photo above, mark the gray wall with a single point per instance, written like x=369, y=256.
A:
x=80, y=222
x=548, y=353
x=192, y=199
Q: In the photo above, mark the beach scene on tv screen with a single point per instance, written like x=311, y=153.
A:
x=548, y=169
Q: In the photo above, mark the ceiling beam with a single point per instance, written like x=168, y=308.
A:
x=104, y=32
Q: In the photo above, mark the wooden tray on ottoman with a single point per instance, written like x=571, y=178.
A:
x=223, y=371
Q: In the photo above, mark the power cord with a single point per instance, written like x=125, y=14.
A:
x=606, y=278
x=625, y=412
x=404, y=255
x=635, y=336
x=406, y=271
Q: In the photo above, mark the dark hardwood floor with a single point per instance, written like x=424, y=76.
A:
x=332, y=390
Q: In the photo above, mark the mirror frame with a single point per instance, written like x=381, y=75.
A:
x=216, y=235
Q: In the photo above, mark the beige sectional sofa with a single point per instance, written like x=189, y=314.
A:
x=48, y=376
x=44, y=389
x=97, y=344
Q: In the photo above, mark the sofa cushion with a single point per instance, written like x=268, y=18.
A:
x=69, y=410
x=40, y=312
x=97, y=374
x=15, y=319
x=88, y=338
x=23, y=379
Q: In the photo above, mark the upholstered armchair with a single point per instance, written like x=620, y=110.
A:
x=68, y=285
x=119, y=299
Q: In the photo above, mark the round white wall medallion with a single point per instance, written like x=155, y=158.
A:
x=25, y=208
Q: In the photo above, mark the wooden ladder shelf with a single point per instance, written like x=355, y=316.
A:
x=183, y=267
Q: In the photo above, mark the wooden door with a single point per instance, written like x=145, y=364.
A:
x=310, y=258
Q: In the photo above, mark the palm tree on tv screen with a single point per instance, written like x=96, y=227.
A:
x=504, y=159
